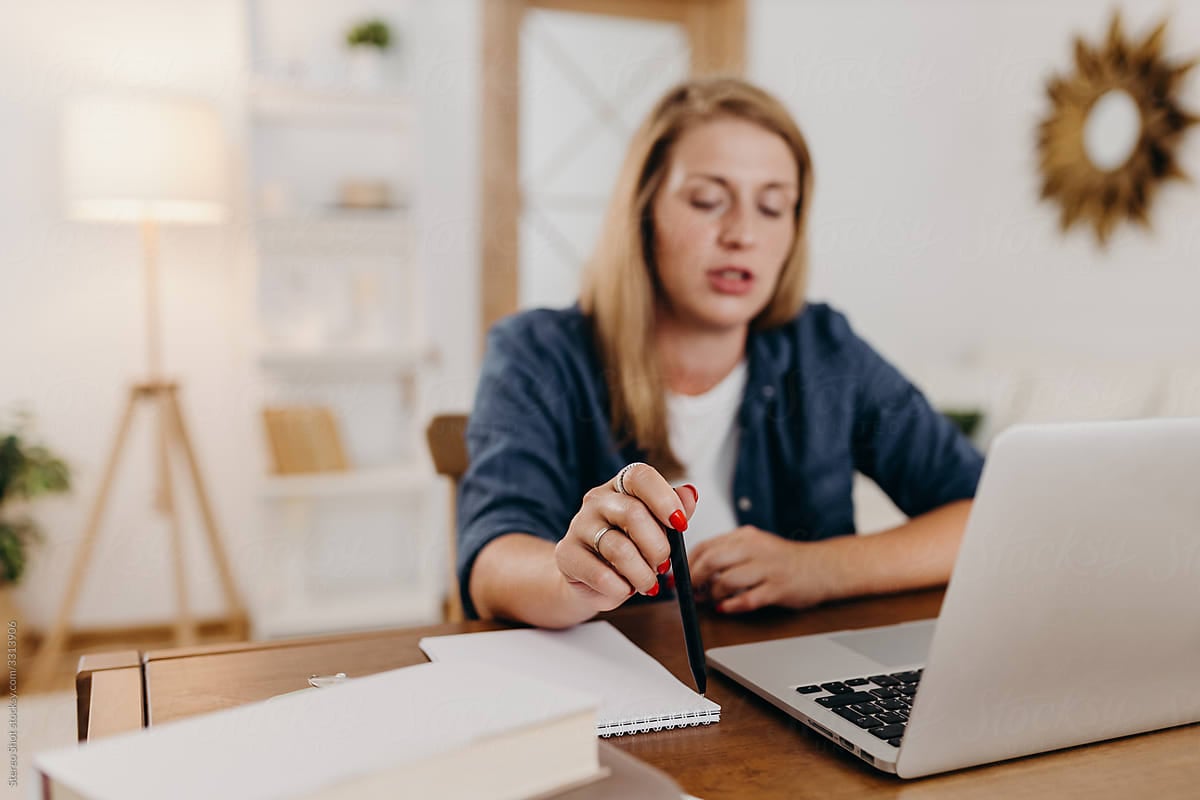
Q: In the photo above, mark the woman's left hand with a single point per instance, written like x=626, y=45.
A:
x=749, y=568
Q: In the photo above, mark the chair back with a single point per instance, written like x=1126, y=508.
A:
x=447, y=438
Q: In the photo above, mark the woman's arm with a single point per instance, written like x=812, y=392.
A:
x=750, y=568
x=918, y=554
x=522, y=577
x=515, y=577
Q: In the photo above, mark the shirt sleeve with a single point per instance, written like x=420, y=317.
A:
x=519, y=474
x=911, y=450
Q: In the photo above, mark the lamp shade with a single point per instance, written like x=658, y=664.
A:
x=128, y=159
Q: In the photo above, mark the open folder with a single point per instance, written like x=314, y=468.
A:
x=636, y=692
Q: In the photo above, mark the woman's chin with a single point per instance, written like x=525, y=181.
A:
x=723, y=314
x=713, y=320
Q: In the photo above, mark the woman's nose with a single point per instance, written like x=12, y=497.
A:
x=737, y=230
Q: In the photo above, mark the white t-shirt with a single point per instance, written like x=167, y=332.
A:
x=704, y=436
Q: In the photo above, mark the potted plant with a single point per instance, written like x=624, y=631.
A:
x=27, y=470
x=368, y=40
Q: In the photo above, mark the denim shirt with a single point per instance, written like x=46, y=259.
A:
x=819, y=404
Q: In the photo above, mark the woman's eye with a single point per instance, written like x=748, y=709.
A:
x=705, y=203
x=771, y=212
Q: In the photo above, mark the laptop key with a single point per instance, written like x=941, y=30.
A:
x=885, y=694
x=867, y=722
x=884, y=680
x=839, y=700
x=836, y=687
x=907, y=677
x=892, y=705
x=890, y=717
x=894, y=742
x=856, y=682
x=867, y=708
x=888, y=731
x=808, y=689
x=907, y=691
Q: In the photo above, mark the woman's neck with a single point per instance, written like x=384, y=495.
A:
x=695, y=360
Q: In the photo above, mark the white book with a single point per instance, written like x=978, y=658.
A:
x=637, y=693
x=402, y=733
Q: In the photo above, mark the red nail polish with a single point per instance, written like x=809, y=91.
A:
x=670, y=581
x=678, y=521
x=695, y=494
x=653, y=591
x=664, y=566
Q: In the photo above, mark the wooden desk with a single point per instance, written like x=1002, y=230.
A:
x=754, y=752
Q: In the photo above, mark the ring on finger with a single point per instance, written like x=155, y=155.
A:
x=621, y=476
x=600, y=535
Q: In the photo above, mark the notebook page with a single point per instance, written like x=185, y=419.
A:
x=636, y=692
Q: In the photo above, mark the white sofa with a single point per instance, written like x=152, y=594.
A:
x=1033, y=388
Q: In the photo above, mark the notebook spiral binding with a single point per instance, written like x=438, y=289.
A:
x=690, y=719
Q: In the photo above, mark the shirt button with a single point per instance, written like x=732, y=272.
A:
x=744, y=504
x=768, y=391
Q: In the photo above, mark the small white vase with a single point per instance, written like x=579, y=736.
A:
x=366, y=67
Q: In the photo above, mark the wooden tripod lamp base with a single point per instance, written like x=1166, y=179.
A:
x=161, y=396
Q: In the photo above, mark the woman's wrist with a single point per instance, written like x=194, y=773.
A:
x=569, y=606
x=824, y=570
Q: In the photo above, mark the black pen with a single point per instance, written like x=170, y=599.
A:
x=687, y=608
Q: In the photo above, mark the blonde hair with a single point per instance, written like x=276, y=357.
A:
x=619, y=284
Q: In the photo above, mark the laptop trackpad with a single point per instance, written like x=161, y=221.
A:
x=893, y=646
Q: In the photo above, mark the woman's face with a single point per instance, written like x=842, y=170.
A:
x=724, y=220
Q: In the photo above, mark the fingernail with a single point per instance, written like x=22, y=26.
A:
x=722, y=607
x=653, y=591
x=664, y=566
x=695, y=494
x=678, y=521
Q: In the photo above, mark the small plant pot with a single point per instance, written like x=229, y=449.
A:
x=365, y=67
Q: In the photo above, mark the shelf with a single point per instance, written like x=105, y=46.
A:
x=368, y=481
x=338, y=105
x=336, y=236
x=346, y=361
x=390, y=608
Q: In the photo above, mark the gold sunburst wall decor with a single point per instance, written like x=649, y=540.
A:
x=1098, y=184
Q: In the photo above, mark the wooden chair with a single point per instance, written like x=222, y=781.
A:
x=446, y=435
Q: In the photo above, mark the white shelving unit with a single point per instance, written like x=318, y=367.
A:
x=345, y=362
x=298, y=101
x=341, y=325
x=368, y=481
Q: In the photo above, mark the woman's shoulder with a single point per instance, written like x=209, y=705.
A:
x=819, y=328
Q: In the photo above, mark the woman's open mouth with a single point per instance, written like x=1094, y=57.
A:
x=730, y=280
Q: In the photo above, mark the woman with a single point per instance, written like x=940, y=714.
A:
x=691, y=356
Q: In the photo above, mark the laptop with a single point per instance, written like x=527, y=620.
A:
x=1072, y=615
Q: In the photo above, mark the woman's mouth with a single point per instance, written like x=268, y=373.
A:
x=730, y=280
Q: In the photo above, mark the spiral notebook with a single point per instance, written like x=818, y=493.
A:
x=637, y=693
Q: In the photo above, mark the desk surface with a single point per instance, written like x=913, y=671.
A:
x=755, y=751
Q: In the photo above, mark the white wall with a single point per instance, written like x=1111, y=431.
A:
x=71, y=301
x=926, y=227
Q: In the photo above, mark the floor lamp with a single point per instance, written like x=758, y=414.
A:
x=147, y=161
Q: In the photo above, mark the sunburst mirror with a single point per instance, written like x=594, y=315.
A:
x=1113, y=131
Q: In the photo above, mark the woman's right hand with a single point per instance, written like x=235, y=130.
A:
x=635, y=551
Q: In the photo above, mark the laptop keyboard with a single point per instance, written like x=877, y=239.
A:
x=876, y=703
